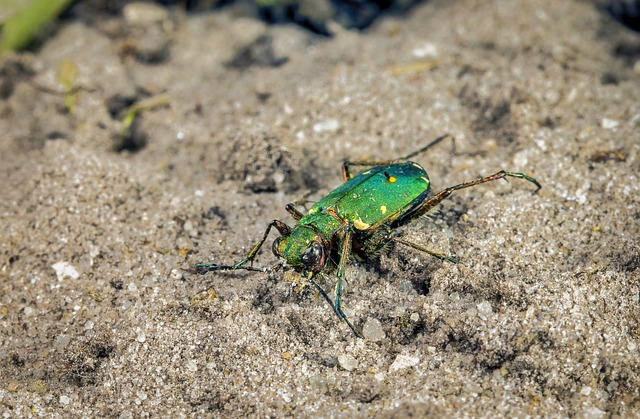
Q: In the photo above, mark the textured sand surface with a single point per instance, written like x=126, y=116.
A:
x=99, y=315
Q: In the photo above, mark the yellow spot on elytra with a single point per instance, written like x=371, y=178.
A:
x=383, y=209
x=313, y=211
x=392, y=179
x=361, y=225
x=424, y=178
x=367, y=172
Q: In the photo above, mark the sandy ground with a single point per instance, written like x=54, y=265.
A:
x=100, y=315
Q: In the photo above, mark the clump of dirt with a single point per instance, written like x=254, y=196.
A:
x=261, y=164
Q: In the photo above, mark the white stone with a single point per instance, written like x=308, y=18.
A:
x=404, y=361
x=608, y=123
x=348, y=362
x=65, y=270
x=331, y=125
x=372, y=330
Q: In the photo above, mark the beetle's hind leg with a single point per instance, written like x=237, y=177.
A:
x=346, y=173
x=428, y=204
x=425, y=148
x=439, y=255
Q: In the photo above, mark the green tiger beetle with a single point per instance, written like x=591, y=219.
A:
x=358, y=217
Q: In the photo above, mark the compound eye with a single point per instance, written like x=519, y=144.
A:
x=313, y=257
x=275, y=248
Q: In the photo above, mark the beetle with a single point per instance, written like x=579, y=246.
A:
x=358, y=217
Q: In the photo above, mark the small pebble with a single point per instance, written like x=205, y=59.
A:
x=192, y=366
x=138, y=13
x=278, y=178
x=404, y=361
x=348, y=362
x=428, y=49
x=372, y=330
x=484, y=308
x=65, y=270
x=61, y=342
x=608, y=123
x=331, y=125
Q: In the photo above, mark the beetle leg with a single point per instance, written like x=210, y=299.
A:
x=291, y=209
x=344, y=258
x=436, y=199
x=425, y=148
x=346, y=173
x=282, y=228
x=439, y=255
x=333, y=306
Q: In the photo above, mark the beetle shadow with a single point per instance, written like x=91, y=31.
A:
x=396, y=263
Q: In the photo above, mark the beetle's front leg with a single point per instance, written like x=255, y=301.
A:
x=344, y=258
x=291, y=207
x=282, y=228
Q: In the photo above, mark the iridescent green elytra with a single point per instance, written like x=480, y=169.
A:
x=358, y=217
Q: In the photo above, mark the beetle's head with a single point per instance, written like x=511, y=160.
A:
x=303, y=249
